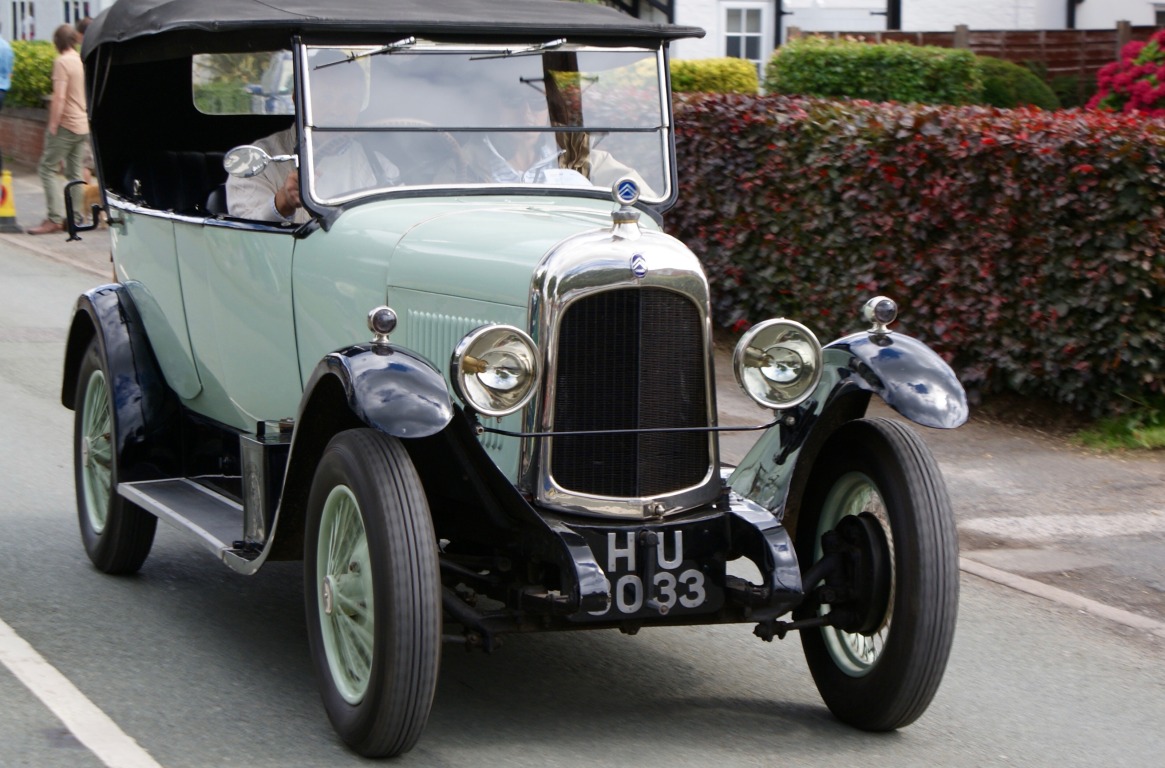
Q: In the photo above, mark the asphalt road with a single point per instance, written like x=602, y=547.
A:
x=194, y=666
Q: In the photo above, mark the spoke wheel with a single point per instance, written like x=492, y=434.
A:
x=346, y=612
x=855, y=496
x=117, y=534
x=96, y=449
x=372, y=596
x=876, y=492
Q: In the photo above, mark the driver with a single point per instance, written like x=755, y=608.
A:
x=341, y=164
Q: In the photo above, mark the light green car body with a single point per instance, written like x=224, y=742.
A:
x=224, y=306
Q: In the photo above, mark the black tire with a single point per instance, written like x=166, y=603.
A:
x=369, y=530
x=117, y=534
x=883, y=675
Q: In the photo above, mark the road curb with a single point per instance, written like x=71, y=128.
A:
x=25, y=242
x=1064, y=597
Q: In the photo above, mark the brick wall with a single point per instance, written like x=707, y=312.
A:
x=22, y=134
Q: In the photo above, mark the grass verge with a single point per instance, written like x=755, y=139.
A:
x=1142, y=429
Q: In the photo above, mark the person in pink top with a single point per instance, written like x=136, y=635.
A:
x=67, y=134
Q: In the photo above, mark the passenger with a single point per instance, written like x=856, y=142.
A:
x=598, y=165
x=516, y=156
x=341, y=164
x=273, y=194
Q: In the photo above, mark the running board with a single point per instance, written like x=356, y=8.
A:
x=216, y=520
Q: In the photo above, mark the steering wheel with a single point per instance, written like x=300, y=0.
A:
x=424, y=156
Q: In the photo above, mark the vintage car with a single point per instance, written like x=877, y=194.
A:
x=469, y=381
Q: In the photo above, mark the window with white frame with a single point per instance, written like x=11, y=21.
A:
x=23, y=21
x=747, y=31
x=75, y=10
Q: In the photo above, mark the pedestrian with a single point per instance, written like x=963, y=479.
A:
x=87, y=166
x=68, y=130
x=81, y=26
x=6, y=61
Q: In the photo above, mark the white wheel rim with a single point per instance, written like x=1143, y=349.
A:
x=343, y=581
x=856, y=654
x=96, y=448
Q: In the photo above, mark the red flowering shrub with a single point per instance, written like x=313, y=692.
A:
x=1136, y=83
x=1027, y=247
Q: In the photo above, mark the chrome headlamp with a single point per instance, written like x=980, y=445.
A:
x=495, y=369
x=778, y=363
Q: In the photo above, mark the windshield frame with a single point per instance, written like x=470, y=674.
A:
x=311, y=127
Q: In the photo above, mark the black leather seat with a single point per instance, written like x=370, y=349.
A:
x=178, y=181
x=216, y=201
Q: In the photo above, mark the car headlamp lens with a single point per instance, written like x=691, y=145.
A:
x=778, y=363
x=495, y=369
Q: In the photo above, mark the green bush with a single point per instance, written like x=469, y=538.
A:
x=1073, y=90
x=222, y=98
x=726, y=75
x=32, y=73
x=1009, y=85
x=1026, y=246
x=813, y=66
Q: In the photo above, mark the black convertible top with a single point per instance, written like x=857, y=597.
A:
x=226, y=25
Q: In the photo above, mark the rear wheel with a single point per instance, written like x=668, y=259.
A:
x=116, y=533
x=877, y=505
x=373, y=593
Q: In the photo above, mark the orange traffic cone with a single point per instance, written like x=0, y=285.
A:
x=7, y=204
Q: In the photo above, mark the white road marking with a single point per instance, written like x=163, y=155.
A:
x=90, y=725
x=1047, y=527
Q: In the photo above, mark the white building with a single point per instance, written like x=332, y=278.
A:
x=36, y=19
x=750, y=28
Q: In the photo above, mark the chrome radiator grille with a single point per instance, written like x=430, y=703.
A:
x=631, y=358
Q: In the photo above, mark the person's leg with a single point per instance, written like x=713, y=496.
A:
x=55, y=149
x=75, y=168
x=89, y=162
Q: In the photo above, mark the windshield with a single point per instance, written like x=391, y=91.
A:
x=416, y=114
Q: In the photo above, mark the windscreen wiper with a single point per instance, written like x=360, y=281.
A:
x=527, y=51
x=407, y=42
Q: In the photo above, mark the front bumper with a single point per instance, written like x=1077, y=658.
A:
x=629, y=574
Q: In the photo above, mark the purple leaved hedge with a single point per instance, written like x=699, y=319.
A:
x=1027, y=247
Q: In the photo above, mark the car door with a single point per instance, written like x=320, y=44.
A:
x=236, y=283
x=146, y=263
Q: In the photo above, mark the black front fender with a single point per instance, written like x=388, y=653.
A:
x=388, y=388
x=145, y=410
x=379, y=386
x=905, y=373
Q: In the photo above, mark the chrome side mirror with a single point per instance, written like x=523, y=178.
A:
x=248, y=160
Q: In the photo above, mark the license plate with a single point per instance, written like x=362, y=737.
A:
x=668, y=578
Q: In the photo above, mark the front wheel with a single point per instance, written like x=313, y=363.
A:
x=877, y=505
x=372, y=593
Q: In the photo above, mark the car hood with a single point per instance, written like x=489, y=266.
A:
x=485, y=250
